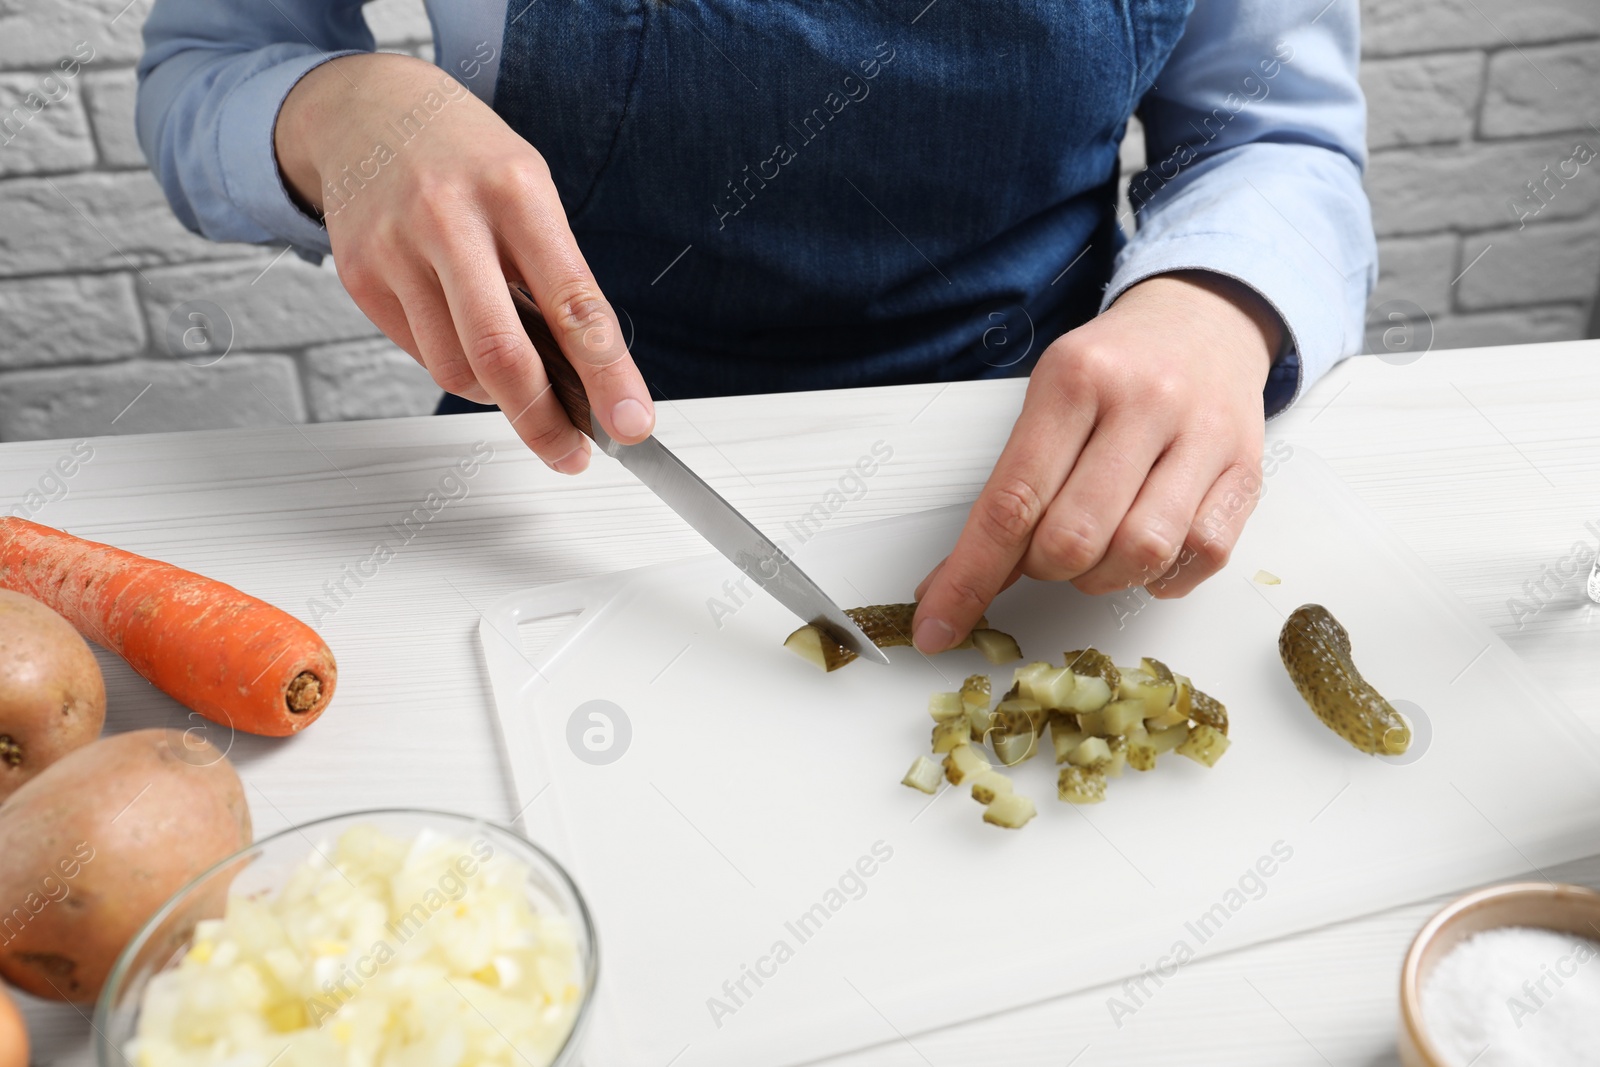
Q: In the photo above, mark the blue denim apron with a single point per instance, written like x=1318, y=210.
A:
x=783, y=195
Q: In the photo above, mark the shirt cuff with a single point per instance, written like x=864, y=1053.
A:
x=1313, y=323
x=248, y=162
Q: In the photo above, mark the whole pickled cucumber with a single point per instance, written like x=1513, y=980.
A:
x=1316, y=651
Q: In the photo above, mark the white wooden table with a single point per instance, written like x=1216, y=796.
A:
x=1487, y=462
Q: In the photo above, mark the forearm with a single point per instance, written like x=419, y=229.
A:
x=212, y=78
x=1255, y=142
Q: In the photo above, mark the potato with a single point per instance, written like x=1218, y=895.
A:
x=13, y=1035
x=97, y=842
x=52, y=698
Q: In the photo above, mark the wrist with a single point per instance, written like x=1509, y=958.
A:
x=1225, y=303
x=324, y=114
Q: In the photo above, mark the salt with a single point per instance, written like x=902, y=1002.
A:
x=1516, y=997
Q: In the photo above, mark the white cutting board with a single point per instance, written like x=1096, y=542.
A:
x=753, y=783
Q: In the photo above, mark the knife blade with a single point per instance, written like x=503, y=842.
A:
x=701, y=506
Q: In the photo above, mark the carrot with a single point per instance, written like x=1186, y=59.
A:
x=236, y=660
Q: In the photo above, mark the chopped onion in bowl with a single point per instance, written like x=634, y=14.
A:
x=378, y=952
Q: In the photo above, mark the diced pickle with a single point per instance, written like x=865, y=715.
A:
x=924, y=775
x=1092, y=663
x=975, y=691
x=1170, y=738
x=1049, y=688
x=1205, y=744
x=1141, y=755
x=1208, y=710
x=1080, y=785
x=1009, y=810
x=996, y=647
x=1119, y=756
x=1012, y=749
x=963, y=762
x=1064, y=738
x=950, y=733
x=1091, y=752
x=1316, y=651
x=989, y=784
x=944, y=706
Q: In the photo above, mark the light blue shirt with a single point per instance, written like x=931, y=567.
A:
x=1255, y=135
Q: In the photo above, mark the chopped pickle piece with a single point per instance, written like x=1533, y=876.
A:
x=1170, y=738
x=988, y=785
x=1080, y=785
x=1012, y=749
x=1316, y=651
x=1185, y=694
x=980, y=721
x=962, y=762
x=975, y=691
x=944, y=706
x=1268, y=578
x=1051, y=687
x=1157, y=670
x=1023, y=675
x=1009, y=810
x=996, y=647
x=1119, y=716
x=812, y=645
x=1119, y=756
x=1177, y=711
x=1151, y=684
x=1065, y=737
x=1018, y=714
x=924, y=775
x=1091, y=752
x=950, y=733
x=1208, y=710
x=1092, y=663
x=1142, y=755
x=1205, y=745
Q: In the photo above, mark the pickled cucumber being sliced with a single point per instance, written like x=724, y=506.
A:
x=1101, y=718
x=1316, y=652
x=889, y=626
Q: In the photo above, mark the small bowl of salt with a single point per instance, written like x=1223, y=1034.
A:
x=1507, y=976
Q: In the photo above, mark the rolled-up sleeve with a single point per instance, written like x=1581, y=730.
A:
x=213, y=76
x=1255, y=136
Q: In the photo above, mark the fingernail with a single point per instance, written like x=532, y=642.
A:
x=630, y=418
x=574, y=462
x=933, y=635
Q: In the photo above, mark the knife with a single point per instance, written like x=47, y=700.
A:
x=701, y=506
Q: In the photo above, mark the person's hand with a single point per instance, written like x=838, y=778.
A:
x=432, y=203
x=1135, y=461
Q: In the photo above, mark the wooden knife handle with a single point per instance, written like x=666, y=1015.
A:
x=563, y=377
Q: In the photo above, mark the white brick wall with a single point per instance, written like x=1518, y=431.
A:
x=1469, y=100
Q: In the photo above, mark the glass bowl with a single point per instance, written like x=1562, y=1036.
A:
x=263, y=869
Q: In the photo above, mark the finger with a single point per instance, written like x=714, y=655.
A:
x=1151, y=536
x=1078, y=526
x=580, y=318
x=381, y=303
x=1040, y=451
x=922, y=587
x=1213, y=533
x=503, y=359
x=438, y=346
